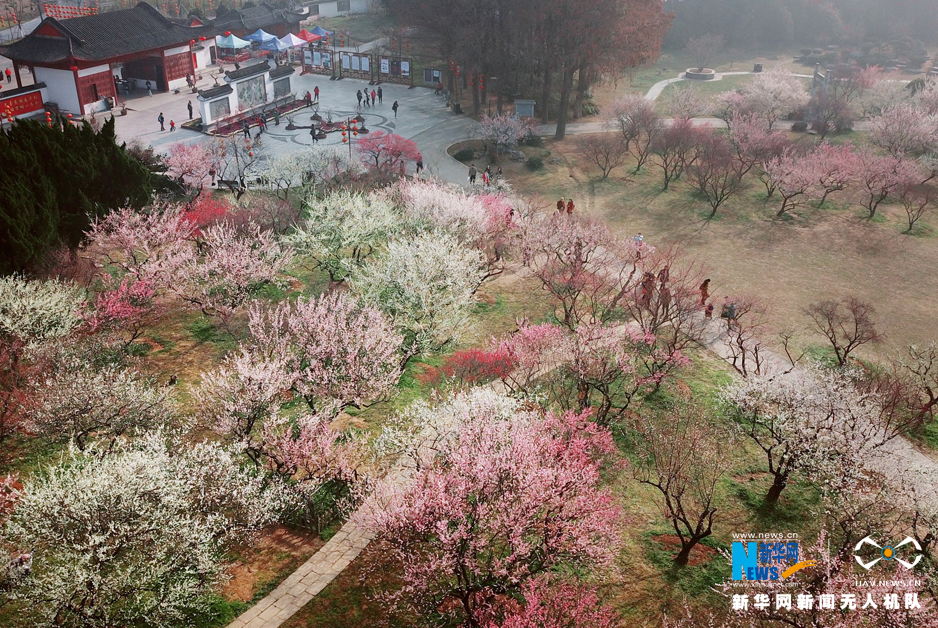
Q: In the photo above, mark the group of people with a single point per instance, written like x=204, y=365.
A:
x=565, y=205
x=488, y=177
x=727, y=312
x=374, y=95
x=162, y=120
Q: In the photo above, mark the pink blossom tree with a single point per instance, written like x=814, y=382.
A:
x=504, y=131
x=386, y=153
x=833, y=167
x=882, y=176
x=508, y=496
x=790, y=176
x=337, y=352
x=190, y=164
x=551, y=602
x=634, y=116
x=754, y=143
x=130, y=308
x=905, y=130
x=582, y=265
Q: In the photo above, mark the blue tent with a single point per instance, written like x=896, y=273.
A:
x=319, y=30
x=231, y=42
x=275, y=45
x=260, y=36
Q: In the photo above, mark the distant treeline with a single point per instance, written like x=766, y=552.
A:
x=747, y=23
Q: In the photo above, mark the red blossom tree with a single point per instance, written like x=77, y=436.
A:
x=129, y=308
x=676, y=148
x=550, y=603
x=883, y=176
x=386, y=153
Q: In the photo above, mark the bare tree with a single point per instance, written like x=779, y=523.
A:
x=921, y=367
x=745, y=323
x=703, y=48
x=608, y=151
x=715, y=174
x=917, y=200
x=847, y=324
x=681, y=458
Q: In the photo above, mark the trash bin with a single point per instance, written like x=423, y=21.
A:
x=757, y=67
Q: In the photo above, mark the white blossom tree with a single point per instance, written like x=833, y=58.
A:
x=504, y=131
x=136, y=537
x=81, y=403
x=810, y=421
x=37, y=311
x=339, y=232
x=426, y=285
x=774, y=94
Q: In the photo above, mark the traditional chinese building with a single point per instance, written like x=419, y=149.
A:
x=244, y=21
x=83, y=60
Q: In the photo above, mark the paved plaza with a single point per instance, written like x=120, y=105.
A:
x=422, y=117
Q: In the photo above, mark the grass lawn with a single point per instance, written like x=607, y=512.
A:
x=363, y=27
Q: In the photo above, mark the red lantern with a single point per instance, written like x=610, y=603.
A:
x=201, y=38
x=251, y=154
x=227, y=33
x=73, y=68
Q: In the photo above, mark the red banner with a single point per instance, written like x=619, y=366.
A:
x=18, y=105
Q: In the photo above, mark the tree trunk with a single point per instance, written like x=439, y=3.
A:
x=582, y=86
x=545, y=94
x=475, y=100
x=683, y=556
x=566, y=87
x=776, y=490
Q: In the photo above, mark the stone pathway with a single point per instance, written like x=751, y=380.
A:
x=306, y=582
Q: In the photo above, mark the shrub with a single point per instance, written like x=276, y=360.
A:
x=534, y=164
x=464, y=154
x=477, y=366
x=799, y=127
x=533, y=140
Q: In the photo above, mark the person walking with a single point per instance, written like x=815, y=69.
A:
x=570, y=206
x=313, y=133
x=264, y=120
x=419, y=164
x=309, y=98
x=9, y=76
x=172, y=126
x=189, y=107
x=315, y=93
x=359, y=95
x=380, y=95
x=189, y=81
x=561, y=204
x=276, y=117
x=246, y=129
x=161, y=120
x=704, y=291
x=149, y=88
x=472, y=174
x=394, y=108
x=485, y=177
x=708, y=313
x=374, y=95
x=498, y=174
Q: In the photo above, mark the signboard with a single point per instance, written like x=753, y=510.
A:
x=18, y=105
x=385, y=66
x=405, y=68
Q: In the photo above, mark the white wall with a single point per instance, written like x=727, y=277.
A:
x=60, y=87
x=330, y=8
x=175, y=51
x=203, y=57
x=206, y=112
x=95, y=70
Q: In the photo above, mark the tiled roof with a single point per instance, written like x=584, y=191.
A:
x=215, y=92
x=21, y=90
x=251, y=70
x=286, y=70
x=101, y=36
x=253, y=18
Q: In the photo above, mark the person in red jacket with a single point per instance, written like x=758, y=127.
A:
x=570, y=206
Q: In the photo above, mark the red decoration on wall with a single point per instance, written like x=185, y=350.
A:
x=102, y=81
x=25, y=103
x=178, y=66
